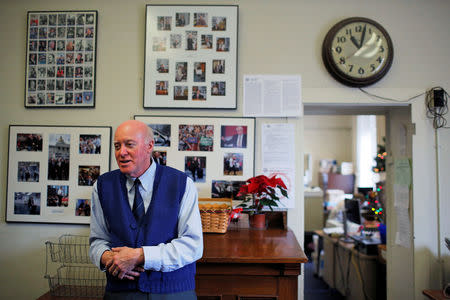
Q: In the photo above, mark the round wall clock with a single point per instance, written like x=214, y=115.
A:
x=357, y=52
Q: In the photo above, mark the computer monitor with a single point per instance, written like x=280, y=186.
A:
x=352, y=213
x=365, y=190
x=353, y=210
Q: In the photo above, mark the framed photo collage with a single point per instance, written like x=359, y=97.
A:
x=61, y=59
x=191, y=56
x=216, y=153
x=51, y=170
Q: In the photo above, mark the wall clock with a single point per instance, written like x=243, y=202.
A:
x=357, y=51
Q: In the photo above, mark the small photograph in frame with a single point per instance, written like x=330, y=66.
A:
x=199, y=93
x=219, y=23
x=29, y=142
x=195, y=168
x=221, y=189
x=218, y=88
x=159, y=44
x=218, y=66
x=161, y=134
x=181, y=71
x=199, y=71
x=59, y=157
x=191, y=40
x=58, y=195
x=200, y=20
x=62, y=32
x=162, y=87
x=233, y=164
x=176, y=41
x=180, y=92
x=90, y=144
x=226, y=189
x=27, y=203
x=233, y=136
x=160, y=157
x=164, y=23
x=28, y=171
x=207, y=41
x=196, y=137
x=83, y=207
x=87, y=175
x=182, y=19
x=223, y=44
x=162, y=65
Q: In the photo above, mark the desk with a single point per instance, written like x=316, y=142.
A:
x=352, y=273
x=247, y=263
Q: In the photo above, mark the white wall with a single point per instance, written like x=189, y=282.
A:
x=275, y=37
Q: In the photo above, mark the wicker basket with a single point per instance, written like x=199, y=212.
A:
x=215, y=214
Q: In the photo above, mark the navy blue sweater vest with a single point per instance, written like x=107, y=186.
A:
x=160, y=225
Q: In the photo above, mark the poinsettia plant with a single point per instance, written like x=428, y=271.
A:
x=263, y=191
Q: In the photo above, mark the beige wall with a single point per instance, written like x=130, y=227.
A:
x=328, y=137
x=275, y=37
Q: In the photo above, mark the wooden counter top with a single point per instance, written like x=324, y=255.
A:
x=246, y=245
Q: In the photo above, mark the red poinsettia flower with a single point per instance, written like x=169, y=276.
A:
x=263, y=189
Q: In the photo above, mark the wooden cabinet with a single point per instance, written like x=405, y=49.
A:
x=250, y=264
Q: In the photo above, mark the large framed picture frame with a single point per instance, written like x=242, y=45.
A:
x=51, y=171
x=60, y=63
x=191, y=56
x=217, y=153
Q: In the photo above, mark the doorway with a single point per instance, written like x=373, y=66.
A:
x=336, y=125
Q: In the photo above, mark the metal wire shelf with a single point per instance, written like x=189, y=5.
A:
x=75, y=275
x=77, y=281
x=70, y=249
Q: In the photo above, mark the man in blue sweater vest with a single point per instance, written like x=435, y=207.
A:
x=146, y=231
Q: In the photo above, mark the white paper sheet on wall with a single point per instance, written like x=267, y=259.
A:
x=401, y=196
x=403, y=234
x=278, y=156
x=272, y=96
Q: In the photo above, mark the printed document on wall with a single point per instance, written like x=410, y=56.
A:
x=278, y=156
x=272, y=96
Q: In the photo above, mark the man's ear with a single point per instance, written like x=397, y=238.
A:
x=151, y=146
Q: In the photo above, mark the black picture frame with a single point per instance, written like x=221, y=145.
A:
x=51, y=171
x=60, y=62
x=191, y=56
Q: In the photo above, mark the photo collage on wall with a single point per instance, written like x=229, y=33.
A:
x=190, y=57
x=52, y=171
x=216, y=153
x=61, y=59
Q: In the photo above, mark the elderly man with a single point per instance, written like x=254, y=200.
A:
x=146, y=229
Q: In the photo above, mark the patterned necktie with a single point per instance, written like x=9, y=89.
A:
x=138, y=204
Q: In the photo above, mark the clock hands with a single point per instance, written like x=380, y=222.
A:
x=361, y=42
x=353, y=39
x=362, y=36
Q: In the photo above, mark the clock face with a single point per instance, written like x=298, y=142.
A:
x=357, y=51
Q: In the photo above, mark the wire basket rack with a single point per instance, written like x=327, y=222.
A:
x=69, y=249
x=77, y=281
x=75, y=276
